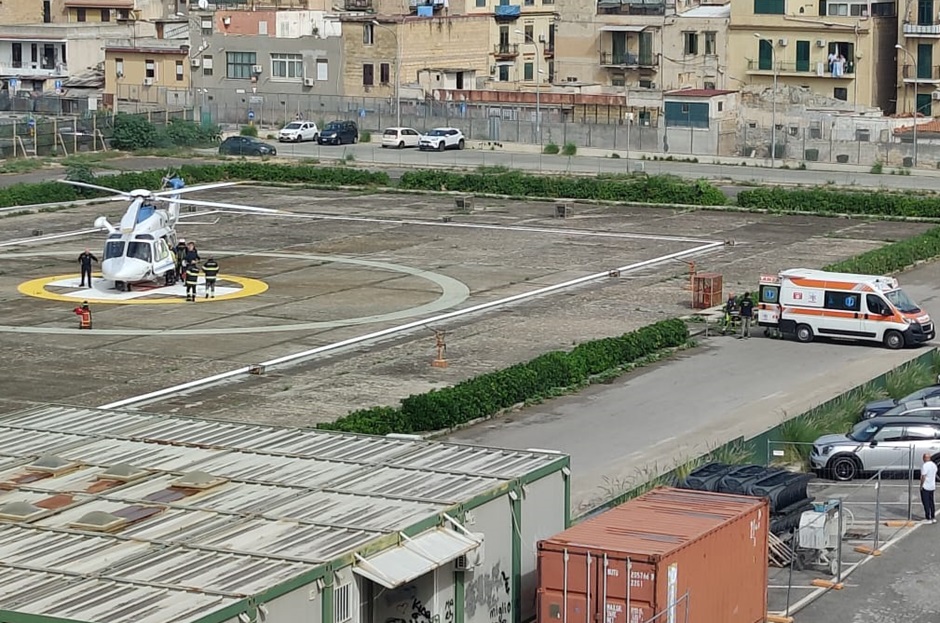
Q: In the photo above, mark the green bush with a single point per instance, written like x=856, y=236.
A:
x=652, y=189
x=840, y=202
x=569, y=149
x=551, y=149
x=487, y=394
x=365, y=136
x=249, y=130
x=133, y=132
x=184, y=133
x=893, y=257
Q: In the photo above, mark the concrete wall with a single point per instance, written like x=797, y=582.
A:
x=455, y=42
x=488, y=595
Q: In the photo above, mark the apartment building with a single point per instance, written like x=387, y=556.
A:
x=695, y=49
x=522, y=38
x=376, y=46
x=274, y=63
x=842, y=49
x=153, y=71
x=918, y=60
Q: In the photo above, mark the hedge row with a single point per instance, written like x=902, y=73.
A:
x=489, y=393
x=826, y=201
x=655, y=189
x=49, y=192
x=893, y=257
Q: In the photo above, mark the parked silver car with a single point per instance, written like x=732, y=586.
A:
x=881, y=443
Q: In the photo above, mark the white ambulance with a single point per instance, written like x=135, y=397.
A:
x=809, y=303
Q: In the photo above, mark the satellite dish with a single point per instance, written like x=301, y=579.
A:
x=203, y=4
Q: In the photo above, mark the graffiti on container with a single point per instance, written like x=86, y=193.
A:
x=640, y=578
x=419, y=614
x=449, y=611
x=493, y=591
x=406, y=606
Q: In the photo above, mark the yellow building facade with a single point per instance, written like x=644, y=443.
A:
x=522, y=41
x=371, y=46
x=842, y=50
x=156, y=75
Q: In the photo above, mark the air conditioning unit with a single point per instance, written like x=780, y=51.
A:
x=256, y=69
x=194, y=62
x=783, y=42
x=935, y=95
x=309, y=82
x=473, y=558
x=148, y=82
x=820, y=43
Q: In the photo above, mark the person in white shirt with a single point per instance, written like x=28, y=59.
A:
x=928, y=485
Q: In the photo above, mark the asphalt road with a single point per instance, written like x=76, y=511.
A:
x=664, y=415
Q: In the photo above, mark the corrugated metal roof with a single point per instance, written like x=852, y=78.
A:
x=415, y=556
x=282, y=502
x=657, y=522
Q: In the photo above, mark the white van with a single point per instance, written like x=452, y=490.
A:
x=808, y=303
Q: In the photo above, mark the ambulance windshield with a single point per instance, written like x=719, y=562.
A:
x=901, y=301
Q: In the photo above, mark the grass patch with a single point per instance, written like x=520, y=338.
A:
x=22, y=165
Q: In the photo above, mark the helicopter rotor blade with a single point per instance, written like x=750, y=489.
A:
x=222, y=206
x=190, y=189
x=120, y=193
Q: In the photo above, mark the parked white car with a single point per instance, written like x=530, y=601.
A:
x=297, y=131
x=442, y=138
x=400, y=138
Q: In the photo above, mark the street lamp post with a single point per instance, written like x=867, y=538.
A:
x=397, y=70
x=773, y=114
x=538, y=84
x=916, y=90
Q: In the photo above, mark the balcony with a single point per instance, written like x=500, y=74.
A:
x=507, y=12
x=357, y=5
x=819, y=69
x=506, y=51
x=631, y=7
x=18, y=69
x=921, y=30
x=548, y=50
x=919, y=74
x=629, y=60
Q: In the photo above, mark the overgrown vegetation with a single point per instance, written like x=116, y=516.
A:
x=825, y=201
x=488, y=394
x=134, y=133
x=249, y=130
x=551, y=149
x=569, y=149
x=645, y=189
x=893, y=257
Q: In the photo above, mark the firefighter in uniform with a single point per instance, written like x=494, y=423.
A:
x=192, y=278
x=180, y=253
x=211, y=270
x=84, y=314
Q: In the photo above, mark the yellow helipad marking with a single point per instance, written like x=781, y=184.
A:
x=156, y=296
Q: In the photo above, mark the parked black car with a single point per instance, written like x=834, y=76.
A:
x=246, y=146
x=339, y=132
x=926, y=397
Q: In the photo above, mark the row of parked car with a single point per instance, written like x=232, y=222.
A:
x=344, y=132
x=889, y=434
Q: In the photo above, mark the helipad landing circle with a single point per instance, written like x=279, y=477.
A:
x=229, y=288
x=453, y=293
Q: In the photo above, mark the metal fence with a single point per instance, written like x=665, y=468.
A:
x=29, y=135
x=870, y=513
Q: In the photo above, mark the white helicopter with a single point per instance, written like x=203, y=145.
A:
x=140, y=248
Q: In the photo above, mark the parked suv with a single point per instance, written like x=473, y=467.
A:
x=881, y=443
x=339, y=132
x=441, y=139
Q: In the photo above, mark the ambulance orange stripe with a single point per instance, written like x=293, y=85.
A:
x=836, y=313
x=828, y=285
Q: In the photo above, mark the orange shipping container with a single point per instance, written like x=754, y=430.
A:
x=680, y=556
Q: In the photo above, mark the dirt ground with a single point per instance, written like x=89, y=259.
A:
x=331, y=279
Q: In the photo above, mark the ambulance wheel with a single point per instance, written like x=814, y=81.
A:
x=894, y=340
x=120, y=285
x=804, y=333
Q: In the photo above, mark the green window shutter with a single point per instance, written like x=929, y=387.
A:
x=766, y=58
x=802, y=55
x=769, y=7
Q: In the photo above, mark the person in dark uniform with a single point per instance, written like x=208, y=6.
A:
x=211, y=270
x=192, y=278
x=747, y=312
x=180, y=252
x=85, y=260
x=190, y=255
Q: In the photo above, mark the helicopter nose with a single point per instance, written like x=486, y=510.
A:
x=123, y=269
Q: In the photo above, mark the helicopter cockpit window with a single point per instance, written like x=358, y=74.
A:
x=163, y=251
x=114, y=248
x=139, y=251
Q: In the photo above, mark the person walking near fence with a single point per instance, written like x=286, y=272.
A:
x=928, y=486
